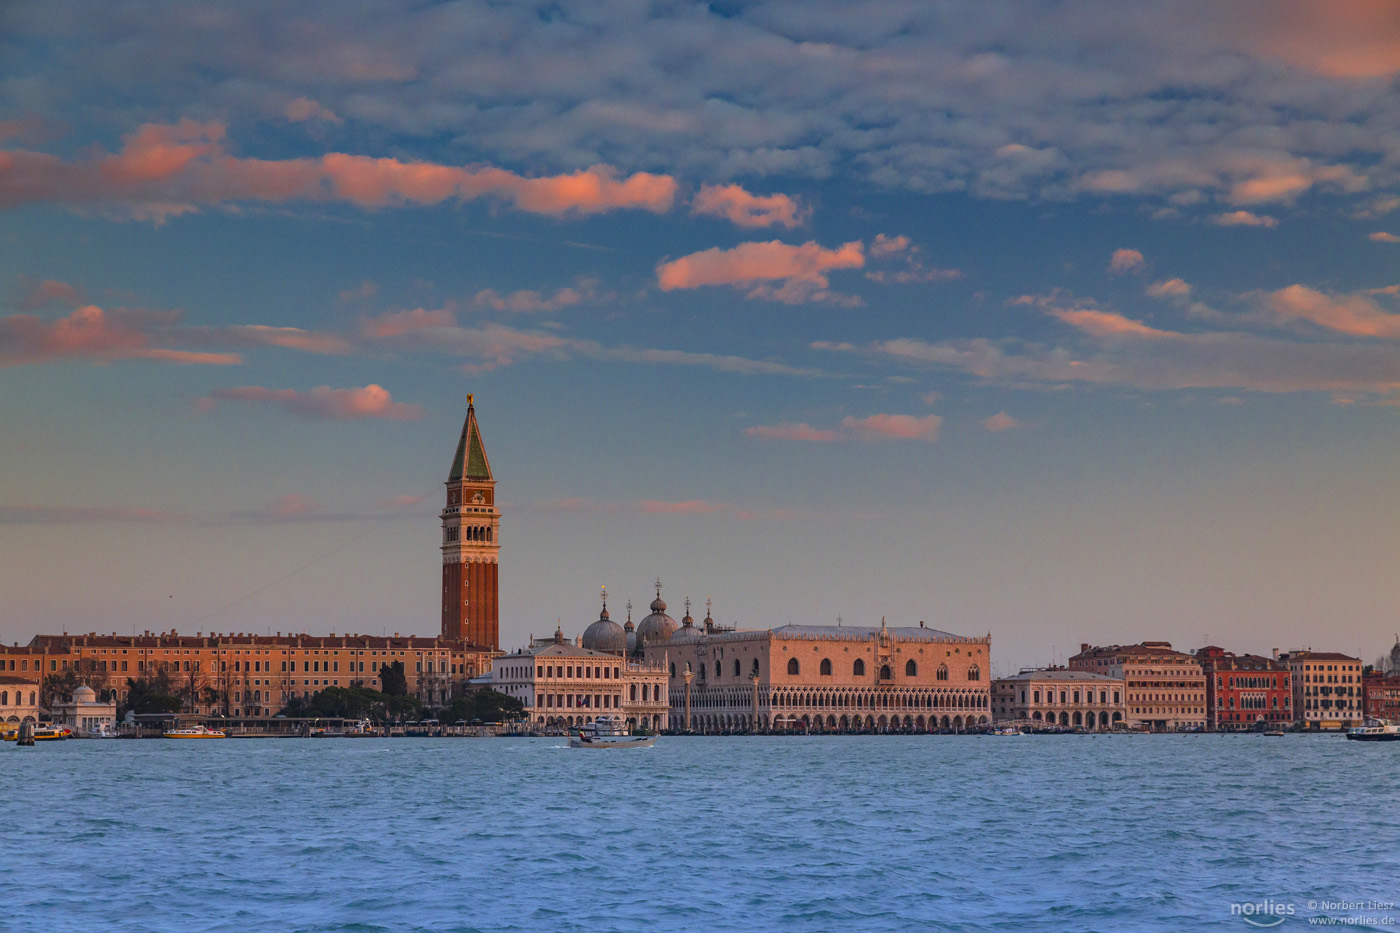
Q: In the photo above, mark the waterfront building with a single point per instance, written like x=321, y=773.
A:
x=1326, y=689
x=85, y=712
x=819, y=678
x=1165, y=689
x=1381, y=696
x=471, y=544
x=253, y=675
x=19, y=699
x=562, y=684
x=1245, y=691
x=1059, y=697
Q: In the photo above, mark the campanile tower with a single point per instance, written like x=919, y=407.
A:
x=471, y=544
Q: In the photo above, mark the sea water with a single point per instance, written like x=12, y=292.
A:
x=859, y=833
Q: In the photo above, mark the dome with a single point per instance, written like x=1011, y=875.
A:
x=605, y=635
x=657, y=628
x=84, y=694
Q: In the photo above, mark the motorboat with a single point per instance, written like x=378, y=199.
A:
x=51, y=732
x=1375, y=731
x=102, y=730
x=1006, y=730
x=608, y=732
x=1274, y=733
x=194, y=732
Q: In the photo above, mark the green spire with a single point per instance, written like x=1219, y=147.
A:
x=470, y=451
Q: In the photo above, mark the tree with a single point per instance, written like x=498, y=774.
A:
x=352, y=703
x=392, y=680
x=154, y=693
x=486, y=705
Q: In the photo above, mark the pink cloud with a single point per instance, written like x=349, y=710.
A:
x=1170, y=288
x=1124, y=261
x=90, y=333
x=691, y=507
x=529, y=301
x=1354, y=39
x=801, y=269
x=399, y=323
x=167, y=169
x=71, y=515
x=293, y=505
x=304, y=108
x=893, y=427
x=325, y=403
x=1358, y=315
x=900, y=248
x=999, y=422
x=290, y=338
x=1380, y=236
x=38, y=293
x=883, y=246
x=743, y=209
x=1107, y=324
x=1243, y=219
x=872, y=428
x=791, y=432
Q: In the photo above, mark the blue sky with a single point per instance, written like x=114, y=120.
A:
x=1063, y=322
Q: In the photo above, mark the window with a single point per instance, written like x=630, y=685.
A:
x=737, y=669
x=974, y=673
x=942, y=672
x=911, y=669
x=858, y=668
x=826, y=667
x=885, y=672
x=793, y=667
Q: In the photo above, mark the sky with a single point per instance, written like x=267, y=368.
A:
x=1063, y=322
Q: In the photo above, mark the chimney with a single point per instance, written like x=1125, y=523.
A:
x=1275, y=654
x=1083, y=647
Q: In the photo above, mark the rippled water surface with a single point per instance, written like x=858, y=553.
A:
x=1072, y=833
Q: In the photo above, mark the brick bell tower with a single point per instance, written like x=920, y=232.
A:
x=471, y=544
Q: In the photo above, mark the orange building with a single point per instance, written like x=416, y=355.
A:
x=253, y=675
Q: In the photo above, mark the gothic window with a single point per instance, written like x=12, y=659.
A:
x=885, y=673
x=858, y=669
x=826, y=667
x=702, y=670
x=793, y=667
x=942, y=672
x=974, y=673
x=673, y=669
x=737, y=669
x=911, y=669
x=488, y=535
x=755, y=665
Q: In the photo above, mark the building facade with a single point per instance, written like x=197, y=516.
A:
x=563, y=685
x=1165, y=690
x=252, y=675
x=19, y=699
x=820, y=678
x=1326, y=689
x=1060, y=698
x=86, y=714
x=1381, y=696
x=1245, y=691
x=471, y=544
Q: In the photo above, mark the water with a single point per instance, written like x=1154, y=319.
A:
x=1069, y=833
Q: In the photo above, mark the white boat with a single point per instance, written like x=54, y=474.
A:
x=1375, y=731
x=1005, y=730
x=608, y=732
x=195, y=732
x=103, y=730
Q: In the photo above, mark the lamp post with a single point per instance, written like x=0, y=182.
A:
x=753, y=678
x=689, y=675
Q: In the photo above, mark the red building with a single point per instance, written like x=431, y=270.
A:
x=1244, y=691
x=1380, y=694
x=471, y=545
